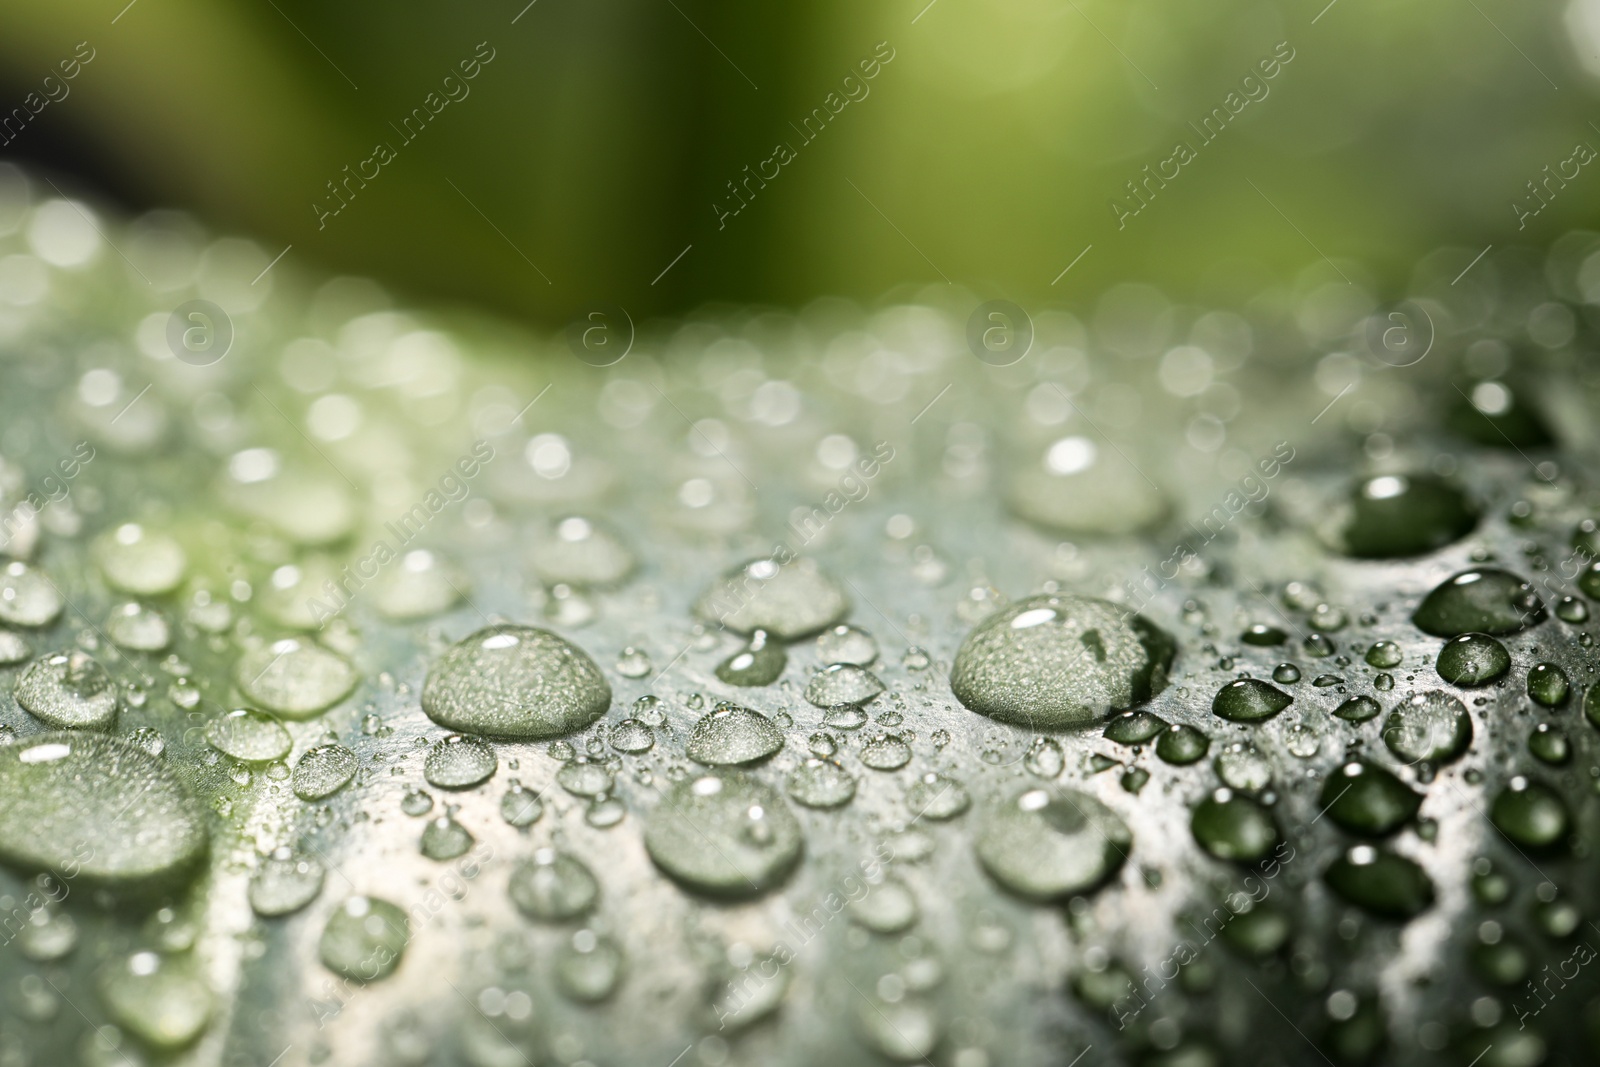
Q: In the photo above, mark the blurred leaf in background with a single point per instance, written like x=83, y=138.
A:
x=598, y=156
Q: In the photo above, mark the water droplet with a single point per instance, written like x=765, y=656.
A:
x=1134, y=779
x=1531, y=814
x=284, y=883
x=632, y=736
x=1384, y=654
x=887, y=908
x=1493, y=414
x=416, y=802
x=445, y=839
x=553, y=886
x=1358, y=709
x=1472, y=660
x=604, y=812
x=1391, y=515
x=886, y=752
x=323, y=771
x=1181, y=744
x=761, y=663
x=1549, y=745
x=732, y=735
x=648, y=709
x=457, y=762
x=1329, y=618
x=249, y=736
x=1045, y=758
x=27, y=597
x=1243, y=768
x=724, y=833
x=580, y=552
x=847, y=644
x=788, y=601
x=139, y=561
x=634, y=663
x=1232, y=826
x=584, y=778
x=1432, y=726
x=69, y=690
x=1366, y=799
x=364, y=939
x=1570, y=609
x=71, y=794
x=1548, y=684
x=588, y=967
x=1302, y=741
x=938, y=797
x=13, y=649
x=821, y=783
x=1317, y=647
x=137, y=628
x=159, y=1000
x=916, y=659
x=1054, y=661
x=294, y=677
x=904, y=1031
x=1249, y=700
x=1286, y=673
x=1134, y=727
x=845, y=717
x=842, y=683
x=515, y=682
x=1483, y=600
x=1381, y=882
x=47, y=935
x=1262, y=635
x=1051, y=844
x=520, y=806
x=1082, y=489
x=422, y=584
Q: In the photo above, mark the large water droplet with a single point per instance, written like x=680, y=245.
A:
x=724, y=833
x=631, y=736
x=588, y=967
x=1472, y=660
x=1484, y=600
x=1531, y=814
x=1232, y=826
x=97, y=805
x=160, y=1000
x=1249, y=700
x=1134, y=727
x=847, y=644
x=761, y=663
x=821, y=783
x=27, y=597
x=1395, y=515
x=457, y=762
x=139, y=561
x=886, y=752
x=294, y=677
x=1547, y=684
x=137, y=628
x=581, y=553
x=1047, y=845
x=788, y=601
x=284, y=883
x=1366, y=799
x=69, y=690
x=553, y=887
x=249, y=736
x=733, y=735
x=1432, y=726
x=515, y=682
x=887, y=908
x=323, y=771
x=1381, y=882
x=364, y=939
x=1083, y=489
x=1055, y=661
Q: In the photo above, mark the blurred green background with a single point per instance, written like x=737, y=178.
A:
x=592, y=149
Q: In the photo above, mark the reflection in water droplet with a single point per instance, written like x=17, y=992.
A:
x=68, y=690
